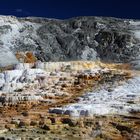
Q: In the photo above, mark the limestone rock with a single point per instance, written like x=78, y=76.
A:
x=87, y=38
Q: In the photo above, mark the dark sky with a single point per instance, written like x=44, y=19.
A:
x=71, y=8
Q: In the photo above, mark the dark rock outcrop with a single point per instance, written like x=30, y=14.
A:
x=81, y=38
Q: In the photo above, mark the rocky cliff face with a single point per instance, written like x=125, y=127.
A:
x=82, y=38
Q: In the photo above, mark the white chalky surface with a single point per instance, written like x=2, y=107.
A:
x=102, y=102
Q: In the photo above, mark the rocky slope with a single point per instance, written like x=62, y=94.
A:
x=74, y=99
x=41, y=81
x=81, y=38
x=33, y=98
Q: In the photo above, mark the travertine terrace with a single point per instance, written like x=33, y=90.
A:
x=38, y=96
x=75, y=79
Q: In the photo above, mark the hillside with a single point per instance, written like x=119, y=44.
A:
x=81, y=38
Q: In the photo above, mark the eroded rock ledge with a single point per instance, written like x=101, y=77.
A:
x=43, y=82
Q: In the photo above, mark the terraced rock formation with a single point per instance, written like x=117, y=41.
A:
x=29, y=93
x=69, y=79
